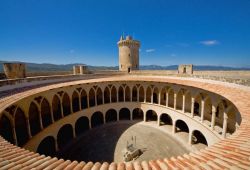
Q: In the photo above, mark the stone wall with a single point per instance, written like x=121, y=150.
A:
x=14, y=70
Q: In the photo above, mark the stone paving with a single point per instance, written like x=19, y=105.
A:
x=107, y=143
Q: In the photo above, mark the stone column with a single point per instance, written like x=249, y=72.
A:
x=158, y=120
x=95, y=98
x=87, y=100
x=190, y=135
x=144, y=117
x=159, y=98
x=74, y=132
x=56, y=145
x=14, y=135
x=131, y=115
x=224, y=130
x=117, y=95
x=174, y=128
x=62, y=115
x=192, y=107
x=80, y=104
x=103, y=97
x=167, y=99
x=202, y=110
x=71, y=104
x=110, y=96
x=40, y=119
x=213, y=117
x=118, y=118
x=183, y=103
x=51, y=114
x=152, y=94
x=145, y=95
x=28, y=128
x=131, y=95
x=175, y=102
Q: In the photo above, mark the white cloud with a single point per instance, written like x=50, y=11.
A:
x=150, y=50
x=209, y=42
x=72, y=51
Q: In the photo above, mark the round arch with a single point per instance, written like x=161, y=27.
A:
x=99, y=96
x=181, y=126
x=47, y=146
x=138, y=114
x=97, y=119
x=75, y=102
x=6, y=129
x=141, y=94
x=134, y=94
x=106, y=95
x=113, y=95
x=84, y=99
x=21, y=127
x=81, y=125
x=92, y=98
x=64, y=136
x=151, y=115
x=198, y=138
x=111, y=115
x=124, y=114
x=121, y=94
x=66, y=104
x=165, y=119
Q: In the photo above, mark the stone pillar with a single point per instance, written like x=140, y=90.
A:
x=159, y=98
x=103, y=97
x=152, y=95
x=51, y=114
x=117, y=95
x=174, y=128
x=145, y=95
x=40, y=119
x=131, y=94
x=192, y=107
x=224, y=130
x=167, y=99
x=71, y=104
x=190, y=135
x=28, y=128
x=80, y=104
x=213, y=117
x=74, y=132
x=110, y=96
x=131, y=115
x=118, y=118
x=158, y=120
x=56, y=145
x=144, y=117
x=95, y=98
x=14, y=135
x=202, y=110
x=62, y=115
x=175, y=102
x=183, y=103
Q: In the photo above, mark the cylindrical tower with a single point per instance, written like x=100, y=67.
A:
x=128, y=54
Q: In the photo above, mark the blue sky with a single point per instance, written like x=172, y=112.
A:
x=201, y=32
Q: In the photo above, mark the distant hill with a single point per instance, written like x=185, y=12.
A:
x=34, y=67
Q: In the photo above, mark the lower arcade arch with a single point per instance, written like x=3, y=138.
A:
x=82, y=125
x=47, y=146
x=165, y=119
x=6, y=129
x=181, y=126
x=97, y=119
x=137, y=114
x=34, y=119
x=21, y=127
x=124, y=114
x=64, y=136
x=198, y=138
x=151, y=115
x=111, y=115
x=45, y=112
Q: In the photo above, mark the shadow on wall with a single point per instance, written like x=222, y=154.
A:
x=97, y=144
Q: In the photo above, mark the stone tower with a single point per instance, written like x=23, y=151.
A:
x=128, y=54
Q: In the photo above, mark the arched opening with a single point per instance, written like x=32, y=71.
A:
x=134, y=94
x=188, y=102
x=106, y=95
x=179, y=100
x=97, y=119
x=66, y=104
x=6, y=129
x=99, y=96
x=113, y=95
x=198, y=138
x=47, y=146
x=148, y=95
x=75, y=102
x=21, y=127
x=232, y=120
x=181, y=126
x=208, y=110
x=124, y=114
x=84, y=99
x=138, y=114
x=82, y=125
x=171, y=98
x=45, y=112
x=219, y=113
x=163, y=96
x=127, y=94
x=34, y=119
x=155, y=95
x=141, y=94
x=111, y=115
x=91, y=97
x=151, y=115
x=197, y=105
x=56, y=106
x=64, y=136
x=121, y=94
x=165, y=119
